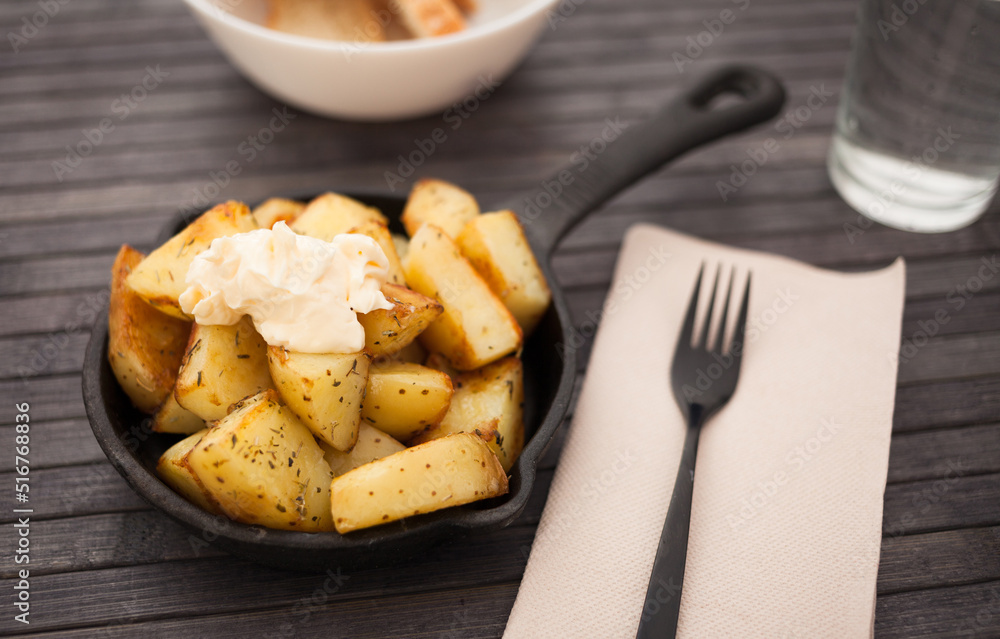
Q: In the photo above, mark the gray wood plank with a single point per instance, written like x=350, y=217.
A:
x=958, y=356
x=493, y=179
x=27, y=240
x=964, y=611
x=75, y=490
x=957, y=501
x=50, y=313
x=243, y=582
x=473, y=612
x=112, y=540
x=66, y=442
x=944, y=404
x=944, y=452
x=82, y=10
x=50, y=398
x=58, y=274
x=291, y=149
x=571, y=119
x=936, y=560
x=55, y=353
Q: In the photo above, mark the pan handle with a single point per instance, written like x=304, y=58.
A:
x=557, y=204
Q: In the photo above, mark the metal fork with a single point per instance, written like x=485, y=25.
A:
x=691, y=367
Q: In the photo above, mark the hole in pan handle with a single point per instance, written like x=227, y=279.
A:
x=724, y=101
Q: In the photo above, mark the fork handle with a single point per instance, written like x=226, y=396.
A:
x=663, y=595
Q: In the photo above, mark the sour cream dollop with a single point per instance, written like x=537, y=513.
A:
x=301, y=292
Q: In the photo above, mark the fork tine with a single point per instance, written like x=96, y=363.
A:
x=684, y=340
x=741, y=322
x=721, y=333
x=703, y=338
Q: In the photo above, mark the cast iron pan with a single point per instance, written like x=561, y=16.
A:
x=547, y=214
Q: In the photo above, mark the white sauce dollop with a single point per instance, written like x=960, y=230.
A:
x=301, y=292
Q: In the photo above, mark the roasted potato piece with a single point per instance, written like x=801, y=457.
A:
x=171, y=417
x=262, y=466
x=159, y=278
x=277, y=210
x=403, y=398
x=495, y=245
x=439, y=203
x=354, y=21
x=439, y=362
x=145, y=346
x=380, y=233
x=490, y=403
x=223, y=365
x=412, y=352
x=450, y=471
x=429, y=18
x=332, y=214
x=402, y=244
x=389, y=331
x=324, y=390
x=372, y=444
x=173, y=469
x=475, y=327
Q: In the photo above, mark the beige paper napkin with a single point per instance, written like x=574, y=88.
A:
x=787, y=512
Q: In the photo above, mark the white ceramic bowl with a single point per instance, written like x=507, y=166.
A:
x=374, y=81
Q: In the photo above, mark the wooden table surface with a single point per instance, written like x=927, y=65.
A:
x=103, y=563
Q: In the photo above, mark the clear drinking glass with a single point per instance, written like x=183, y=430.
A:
x=917, y=140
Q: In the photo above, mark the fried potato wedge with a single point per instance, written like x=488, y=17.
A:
x=439, y=362
x=412, y=352
x=495, y=245
x=145, y=346
x=159, y=279
x=475, y=327
x=324, y=390
x=389, y=331
x=402, y=244
x=439, y=203
x=380, y=233
x=372, y=444
x=490, y=403
x=171, y=417
x=275, y=210
x=357, y=20
x=467, y=6
x=262, y=466
x=429, y=18
x=403, y=399
x=445, y=472
x=331, y=214
x=173, y=469
x=223, y=364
